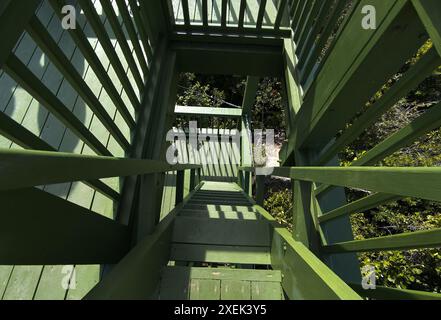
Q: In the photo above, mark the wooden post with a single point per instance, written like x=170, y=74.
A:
x=180, y=187
x=260, y=190
x=192, y=179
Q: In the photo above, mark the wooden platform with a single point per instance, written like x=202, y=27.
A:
x=184, y=283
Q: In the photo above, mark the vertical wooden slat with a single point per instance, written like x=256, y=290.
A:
x=133, y=36
x=186, y=11
x=42, y=37
x=179, y=187
x=224, y=13
x=243, y=5
x=297, y=14
x=306, y=27
x=87, y=50
x=95, y=21
x=205, y=13
x=261, y=14
x=302, y=19
x=306, y=45
x=25, y=78
x=260, y=190
x=120, y=36
x=141, y=28
x=280, y=13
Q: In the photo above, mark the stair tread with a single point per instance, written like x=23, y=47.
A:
x=232, y=215
x=221, y=254
x=221, y=232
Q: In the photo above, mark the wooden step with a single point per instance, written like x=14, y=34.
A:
x=218, y=207
x=182, y=283
x=221, y=232
x=229, y=215
x=221, y=254
x=229, y=202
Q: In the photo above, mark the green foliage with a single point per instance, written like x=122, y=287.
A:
x=279, y=204
x=268, y=111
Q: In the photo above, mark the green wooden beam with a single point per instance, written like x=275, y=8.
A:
x=232, y=38
x=418, y=182
x=429, y=11
x=243, y=5
x=261, y=14
x=186, y=12
x=21, y=168
x=304, y=275
x=45, y=41
x=235, y=31
x=209, y=58
x=26, y=78
x=127, y=205
x=208, y=111
x=14, y=16
x=292, y=83
x=26, y=139
x=386, y=293
x=249, y=97
x=205, y=13
x=224, y=13
x=404, y=241
x=360, y=205
x=281, y=10
x=38, y=228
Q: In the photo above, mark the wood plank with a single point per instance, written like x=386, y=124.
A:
x=386, y=293
x=424, y=180
x=266, y=291
x=235, y=290
x=305, y=275
x=81, y=167
x=203, y=289
x=208, y=231
x=403, y=241
x=50, y=285
x=360, y=205
x=5, y=274
x=22, y=283
x=220, y=254
x=429, y=12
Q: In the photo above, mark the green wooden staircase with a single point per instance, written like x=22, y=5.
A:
x=224, y=244
x=91, y=209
